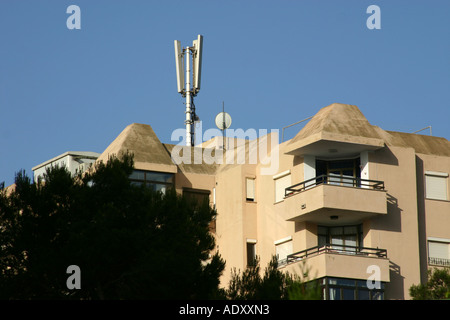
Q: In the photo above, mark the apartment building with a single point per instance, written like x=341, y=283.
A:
x=366, y=211
x=350, y=201
x=74, y=161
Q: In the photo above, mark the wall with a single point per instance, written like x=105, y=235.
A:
x=398, y=230
x=434, y=215
x=271, y=223
x=229, y=222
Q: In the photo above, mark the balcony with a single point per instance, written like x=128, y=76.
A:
x=331, y=199
x=338, y=261
x=438, y=262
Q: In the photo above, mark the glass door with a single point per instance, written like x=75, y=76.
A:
x=343, y=176
x=339, y=172
x=341, y=239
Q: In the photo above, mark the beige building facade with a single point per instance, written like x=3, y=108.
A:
x=364, y=210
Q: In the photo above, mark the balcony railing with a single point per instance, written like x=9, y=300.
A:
x=333, y=248
x=439, y=262
x=337, y=180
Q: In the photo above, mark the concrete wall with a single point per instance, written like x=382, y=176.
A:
x=434, y=217
x=230, y=220
x=398, y=230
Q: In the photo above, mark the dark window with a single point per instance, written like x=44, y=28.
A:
x=200, y=197
x=197, y=195
x=348, y=238
x=349, y=289
x=251, y=254
x=340, y=172
x=348, y=294
x=158, y=181
x=363, y=295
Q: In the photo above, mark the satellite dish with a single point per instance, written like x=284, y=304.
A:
x=223, y=120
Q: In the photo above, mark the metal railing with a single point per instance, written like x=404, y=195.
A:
x=439, y=261
x=345, y=181
x=333, y=248
x=282, y=131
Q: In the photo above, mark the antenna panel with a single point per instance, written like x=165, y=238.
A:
x=197, y=62
x=179, y=62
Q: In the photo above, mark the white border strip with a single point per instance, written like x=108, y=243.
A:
x=286, y=239
x=281, y=175
x=438, y=239
x=435, y=173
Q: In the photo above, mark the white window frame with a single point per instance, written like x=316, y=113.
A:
x=438, y=241
x=250, y=189
x=440, y=180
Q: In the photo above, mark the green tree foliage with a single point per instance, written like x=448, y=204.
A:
x=272, y=285
x=303, y=287
x=129, y=242
x=436, y=288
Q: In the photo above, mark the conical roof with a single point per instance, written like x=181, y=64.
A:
x=341, y=123
x=140, y=140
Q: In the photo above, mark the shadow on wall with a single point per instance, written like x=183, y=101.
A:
x=392, y=221
x=394, y=214
x=423, y=256
x=297, y=160
x=395, y=288
x=384, y=156
x=182, y=180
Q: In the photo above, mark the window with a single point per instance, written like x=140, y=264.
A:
x=250, y=189
x=158, y=181
x=283, y=248
x=251, y=253
x=197, y=195
x=348, y=238
x=282, y=181
x=436, y=185
x=339, y=172
x=439, y=252
x=349, y=289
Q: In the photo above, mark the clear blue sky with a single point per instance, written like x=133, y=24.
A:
x=272, y=62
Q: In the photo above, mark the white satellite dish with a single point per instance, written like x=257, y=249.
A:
x=223, y=120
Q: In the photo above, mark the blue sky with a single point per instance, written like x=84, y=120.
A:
x=272, y=62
